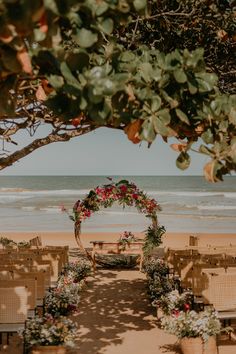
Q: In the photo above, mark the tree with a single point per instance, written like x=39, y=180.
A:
x=80, y=65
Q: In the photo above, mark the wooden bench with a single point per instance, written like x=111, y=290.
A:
x=132, y=248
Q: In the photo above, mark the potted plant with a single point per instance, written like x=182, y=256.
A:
x=48, y=335
x=196, y=331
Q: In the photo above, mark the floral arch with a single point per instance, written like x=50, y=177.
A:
x=125, y=193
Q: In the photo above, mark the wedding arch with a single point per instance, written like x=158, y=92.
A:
x=124, y=193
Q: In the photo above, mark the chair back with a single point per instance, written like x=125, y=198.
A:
x=13, y=304
x=29, y=284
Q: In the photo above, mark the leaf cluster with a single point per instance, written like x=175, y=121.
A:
x=127, y=64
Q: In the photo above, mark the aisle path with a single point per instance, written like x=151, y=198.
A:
x=116, y=316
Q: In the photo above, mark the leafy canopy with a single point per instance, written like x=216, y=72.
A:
x=133, y=65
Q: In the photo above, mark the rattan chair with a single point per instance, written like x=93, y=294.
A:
x=221, y=293
x=13, y=309
x=30, y=284
x=39, y=277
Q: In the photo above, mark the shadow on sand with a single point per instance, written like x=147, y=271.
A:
x=110, y=306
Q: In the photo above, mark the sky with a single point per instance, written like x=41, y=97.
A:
x=104, y=152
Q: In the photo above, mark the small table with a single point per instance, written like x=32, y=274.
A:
x=132, y=248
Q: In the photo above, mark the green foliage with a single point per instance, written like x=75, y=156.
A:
x=130, y=64
x=157, y=272
x=153, y=238
x=79, y=270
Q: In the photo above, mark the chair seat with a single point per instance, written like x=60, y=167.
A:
x=11, y=327
x=224, y=315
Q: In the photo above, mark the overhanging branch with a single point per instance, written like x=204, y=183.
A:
x=54, y=137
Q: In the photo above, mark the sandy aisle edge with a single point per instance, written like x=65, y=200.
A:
x=170, y=239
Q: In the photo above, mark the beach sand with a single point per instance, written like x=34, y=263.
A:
x=170, y=239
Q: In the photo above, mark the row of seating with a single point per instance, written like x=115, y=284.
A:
x=210, y=273
x=25, y=276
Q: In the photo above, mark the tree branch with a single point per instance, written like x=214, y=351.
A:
x=36, y=144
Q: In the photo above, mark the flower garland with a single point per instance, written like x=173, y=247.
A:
x=123, y=192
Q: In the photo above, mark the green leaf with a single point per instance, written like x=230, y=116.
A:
x=86, y=38
x=65, y=70
x=146, y=71
x=9, y=60
x=140, y=4
x=208, y=137
x=148, y=132
x=7, y=100
x=183, y=161
x=107, y=25
x=182, y=116
x=233, y=149
x=156, y=103
x=160, y=126
x=127, y=56
x=192, y=86
x=164, y=116
x=205, y=150
x=56, y=81
x=206, y=81
x=180, y=76
x=77, y=60
x=101, y=8
x=232, y=116
x=94, y=98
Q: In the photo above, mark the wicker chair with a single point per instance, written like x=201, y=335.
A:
x=30, y=284
x=221, y=293
x=14, y=307
x=39, y=277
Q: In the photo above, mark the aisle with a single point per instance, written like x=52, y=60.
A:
x=116, y=316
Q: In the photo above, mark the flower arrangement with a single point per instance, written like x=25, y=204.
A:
x=47, y=331
x=61, y=302
x=23, y=244
x=155, y=266
x=159, y=283
x=126, y=238
x=7, y=243
x=192, y=324
x=77, y=271
x=124, y=192
x=174, y=302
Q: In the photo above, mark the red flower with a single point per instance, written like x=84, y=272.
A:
x=186, y=307
x=175, y=313
x=123, y=188
x=135, y=196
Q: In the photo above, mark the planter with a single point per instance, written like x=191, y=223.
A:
x=197, y=346
x=50, y=349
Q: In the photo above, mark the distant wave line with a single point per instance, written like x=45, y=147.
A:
x=28, y=192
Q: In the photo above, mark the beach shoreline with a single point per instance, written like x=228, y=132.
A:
x=170, y=239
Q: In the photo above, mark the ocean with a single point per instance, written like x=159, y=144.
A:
x=189, y=204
